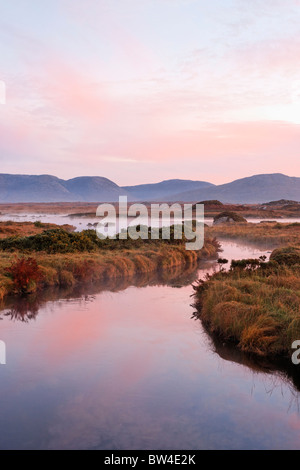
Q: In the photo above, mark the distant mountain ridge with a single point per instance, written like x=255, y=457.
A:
x=48, y=188
x=253, y=189
x=165, y=189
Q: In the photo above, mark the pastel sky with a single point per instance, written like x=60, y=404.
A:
x=144, y=90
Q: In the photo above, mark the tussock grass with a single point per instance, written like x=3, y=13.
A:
x=258, y=309
x=271, y=234
x=65, y=259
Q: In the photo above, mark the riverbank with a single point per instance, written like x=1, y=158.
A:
x=256, y=304
x=61, y=258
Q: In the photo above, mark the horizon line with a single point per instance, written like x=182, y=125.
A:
x=141, y=184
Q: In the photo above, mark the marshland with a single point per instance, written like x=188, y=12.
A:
x=50, y=255
x=104, y=331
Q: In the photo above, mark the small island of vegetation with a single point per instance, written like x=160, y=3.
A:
x=58, y=257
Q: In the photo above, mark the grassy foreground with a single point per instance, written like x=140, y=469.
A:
x=57, y=257
x=255, y=304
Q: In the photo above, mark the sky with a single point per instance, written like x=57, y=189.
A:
x=140, y=91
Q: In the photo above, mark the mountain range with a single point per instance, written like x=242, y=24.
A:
x=47, y=188
x=165, y=189
x=253, y=189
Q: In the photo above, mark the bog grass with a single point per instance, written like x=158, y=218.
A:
x=64, y=258
x=268, y=233
x=255, y=304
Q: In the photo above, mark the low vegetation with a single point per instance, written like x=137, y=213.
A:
x=289, y=256
x=270, y=234
x=256, y=304
x=17, y=229
x=60, y=258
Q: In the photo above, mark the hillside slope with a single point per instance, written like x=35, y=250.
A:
x=254, y=189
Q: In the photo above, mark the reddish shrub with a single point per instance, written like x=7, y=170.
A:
x=25, y=274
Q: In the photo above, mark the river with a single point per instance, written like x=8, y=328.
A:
x=127, y=367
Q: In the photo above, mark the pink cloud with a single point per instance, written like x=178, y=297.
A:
x=64, y=113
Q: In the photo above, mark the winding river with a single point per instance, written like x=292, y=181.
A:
x=125, y=366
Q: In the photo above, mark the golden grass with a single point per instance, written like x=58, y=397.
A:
x=259, y=310
x=270, y=234
x=61, y=269
x=25, y=229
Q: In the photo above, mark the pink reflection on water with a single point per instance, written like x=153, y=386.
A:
x=130, y=369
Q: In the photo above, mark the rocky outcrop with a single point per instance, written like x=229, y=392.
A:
x=229, y=218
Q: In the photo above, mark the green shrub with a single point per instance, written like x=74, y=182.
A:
x=39, y=224
x=61, y=241
x=289, y=255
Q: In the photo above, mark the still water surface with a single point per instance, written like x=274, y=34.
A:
x=128, y=368
x=83, y=223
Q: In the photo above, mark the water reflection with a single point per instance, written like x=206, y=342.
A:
x=84, y=222
x=280, y=368
x=27, y=307
x=122, y=366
